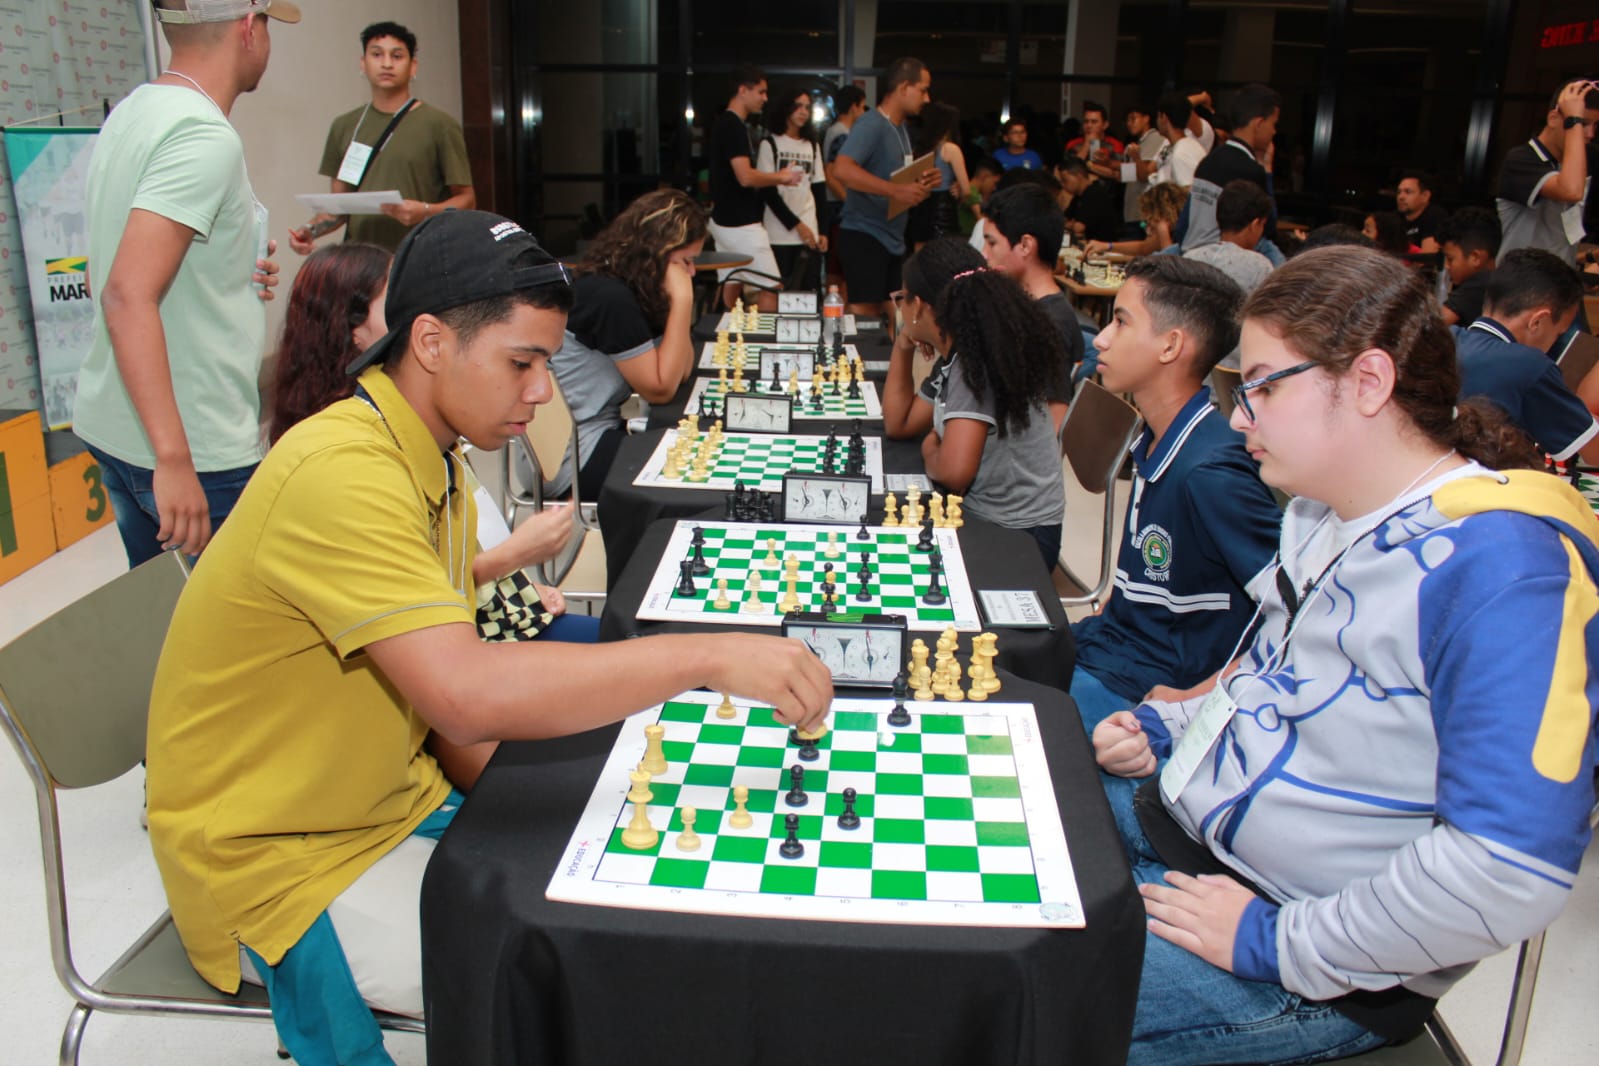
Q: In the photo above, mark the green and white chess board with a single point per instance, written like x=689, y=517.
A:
x=757, y=461
x=842, y=406
x=763, y=323
x=734, y=550
x=958, y=820
x=752, y=355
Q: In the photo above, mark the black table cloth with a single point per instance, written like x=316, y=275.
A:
x=510, y=977
x=996, y=558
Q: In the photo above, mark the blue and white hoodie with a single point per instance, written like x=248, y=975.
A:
x=1410, y=778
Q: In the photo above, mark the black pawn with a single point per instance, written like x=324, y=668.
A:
x=924, y=543
x=685, y=580
x=862, y=533
x=777, y=385
x=935, y=591
x=899, y=715
x=791, y=848
x=807, y=749
x=864, y=593
x=849, y=819
x=826, y=606
x=796, y=792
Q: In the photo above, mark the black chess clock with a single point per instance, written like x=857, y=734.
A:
x=868, y=651
x=830, y=499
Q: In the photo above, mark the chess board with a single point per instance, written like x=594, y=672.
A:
x=866, y=405
x=752, y=354
x=959, y=823
x=1588, y=486
x=899, y=575
x=766, y=324
x=758, y=461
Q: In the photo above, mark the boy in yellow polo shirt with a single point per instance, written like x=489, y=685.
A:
x=328, y=629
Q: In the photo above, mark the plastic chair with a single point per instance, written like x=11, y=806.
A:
x=1222, y=382
x=1095, y=436
x=76, y=728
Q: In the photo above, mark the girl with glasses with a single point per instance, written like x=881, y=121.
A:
x=1393, y=779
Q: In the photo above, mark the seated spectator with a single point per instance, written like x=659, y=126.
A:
x=1393, y=782
x=1009, y=180
x=1184, y=150
x=984, y=178
x=1095, y=145
x=1470, y=241
x=982, y=414
x=1095, y=211
x=1242, y=211
x=1015, y=152
x=1422, y=218
x=1161, y=206
x=1200, y=523
x=1386, y=230
x=1021, y=239
x=329, y=629
x=1531, y=301
x=632, y=308
x=1335, y=233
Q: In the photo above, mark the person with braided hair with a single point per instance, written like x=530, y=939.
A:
x=982, y=413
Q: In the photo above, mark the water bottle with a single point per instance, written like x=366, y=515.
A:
x=832, y=314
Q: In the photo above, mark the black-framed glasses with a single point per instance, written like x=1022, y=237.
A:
x=1241, y=391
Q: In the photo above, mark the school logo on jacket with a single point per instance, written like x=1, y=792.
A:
x=1154, y=544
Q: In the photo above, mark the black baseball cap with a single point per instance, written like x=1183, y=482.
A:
x=457, y=258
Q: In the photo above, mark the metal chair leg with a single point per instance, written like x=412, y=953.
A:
x=72, y=1035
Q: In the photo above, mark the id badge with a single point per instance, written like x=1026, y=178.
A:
x=354, y=166
x=1571, y=217
x=909, y=159
x=1217, y=710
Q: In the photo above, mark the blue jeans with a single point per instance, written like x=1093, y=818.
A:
x=1192, y=1012
x=133, y=500
x=573, y=629
x=1095, y=703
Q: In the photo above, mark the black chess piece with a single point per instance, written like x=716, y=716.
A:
x=729, y=508
x=924, y=542
x=935, y=561
x=791, y=848
x=899, y=715
x=835, y=390
x=807, y=749
x=777, y=384
x=849, y=819
x=796, y=787
x=685, y=581
x=864, y=593
x=701, y=567
x=935, y=591
x=827, y=606
x=854, y=391
x=838, y=342
x=863, y=533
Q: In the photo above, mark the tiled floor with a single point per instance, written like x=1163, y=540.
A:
x=116, y=893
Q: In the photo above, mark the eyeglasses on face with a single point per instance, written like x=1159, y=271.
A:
x=1241, y=391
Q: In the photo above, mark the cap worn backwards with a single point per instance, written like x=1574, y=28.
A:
x=457, y=258
x=195, y=11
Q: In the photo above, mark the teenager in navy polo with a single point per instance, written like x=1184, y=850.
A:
x=1200, y=524
x=1531, y=301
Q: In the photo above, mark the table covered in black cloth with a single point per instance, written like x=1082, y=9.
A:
x=996, y=558
x=510, y=977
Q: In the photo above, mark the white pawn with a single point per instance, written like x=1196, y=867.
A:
x=688, y=840
x=752, y=595
x=721, y=603
x=740, y=818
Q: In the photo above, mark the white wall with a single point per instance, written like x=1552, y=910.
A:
x=314, y=74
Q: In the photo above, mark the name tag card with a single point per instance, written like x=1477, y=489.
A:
x=1015, y=608
x=1217, y=710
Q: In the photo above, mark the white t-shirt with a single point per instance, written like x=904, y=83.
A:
x=791, y=151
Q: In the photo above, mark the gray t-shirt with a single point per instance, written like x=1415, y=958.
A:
x=1018, y=483
x=880, y=147
x=1244, y=265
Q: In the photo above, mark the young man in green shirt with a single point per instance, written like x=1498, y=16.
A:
x=394, y=142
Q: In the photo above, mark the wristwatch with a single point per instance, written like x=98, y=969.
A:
x=1572, y=122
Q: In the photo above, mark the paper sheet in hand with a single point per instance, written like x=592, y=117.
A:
x=350, y=203
x=908, y=175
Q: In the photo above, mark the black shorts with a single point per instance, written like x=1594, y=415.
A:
x=870, y=270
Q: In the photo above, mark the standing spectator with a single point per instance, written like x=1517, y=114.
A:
x=736, y=188
x=1423, y=218
x=1095, y=145
x=167, y=398
x=935, y=216
x=1470, y=244
x=851, y=104
x=1543, y=184
x=1255, y=109
x=1143, y=152
x=1183, y=153
x=1016, y=153
x=870, y=243
x=395, y=141
x=791, y=210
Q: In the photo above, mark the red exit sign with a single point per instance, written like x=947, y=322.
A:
x=1569, y=33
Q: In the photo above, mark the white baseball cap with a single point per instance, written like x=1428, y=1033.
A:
x=193, y=11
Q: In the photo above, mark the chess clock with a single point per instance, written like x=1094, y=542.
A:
x=757, y=412
x=798, y=330
x=796, y=303
x=787, y=360
x=865, y=651
x=829, y=499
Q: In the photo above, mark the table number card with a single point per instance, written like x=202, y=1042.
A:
x=1015, y=608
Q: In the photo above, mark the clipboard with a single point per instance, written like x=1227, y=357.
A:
x=908, y=174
